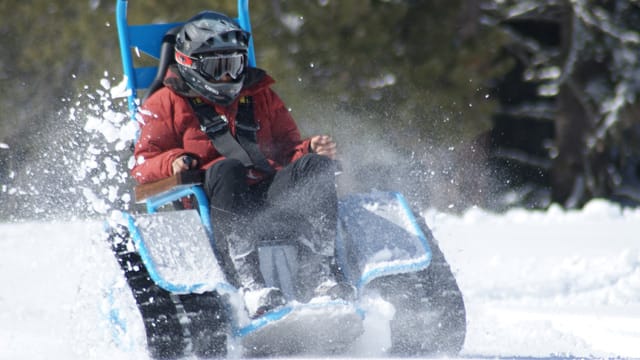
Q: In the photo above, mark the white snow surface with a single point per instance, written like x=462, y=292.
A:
x=536, y=284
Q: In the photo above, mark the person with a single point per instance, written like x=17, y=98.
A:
x=264, y=182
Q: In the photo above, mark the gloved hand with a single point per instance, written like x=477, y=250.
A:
x=183, y=163
x=323, y=145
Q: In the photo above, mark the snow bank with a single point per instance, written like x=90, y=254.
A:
x=536, y=284
x=547, y=283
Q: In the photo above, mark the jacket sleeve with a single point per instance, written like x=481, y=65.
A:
x=159, y=143
x=289, y=145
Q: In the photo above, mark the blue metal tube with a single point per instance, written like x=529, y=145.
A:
x=156, y=202
x=245, y=22
x=125, y=54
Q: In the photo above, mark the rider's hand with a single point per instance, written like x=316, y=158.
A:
x=323, y=145
x=183, y=163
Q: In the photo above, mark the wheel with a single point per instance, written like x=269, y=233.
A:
x=175, y=325
x=430, y=318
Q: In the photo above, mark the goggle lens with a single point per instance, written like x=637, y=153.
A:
x=218, y=66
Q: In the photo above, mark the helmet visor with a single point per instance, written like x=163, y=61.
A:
x=219, y=65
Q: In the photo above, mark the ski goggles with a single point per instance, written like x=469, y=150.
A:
x=217, y=66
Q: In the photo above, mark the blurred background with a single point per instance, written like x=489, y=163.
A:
x=456, y=103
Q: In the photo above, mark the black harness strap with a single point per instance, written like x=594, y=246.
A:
x=244, y=146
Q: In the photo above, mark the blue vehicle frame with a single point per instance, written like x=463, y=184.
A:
x=365, y=228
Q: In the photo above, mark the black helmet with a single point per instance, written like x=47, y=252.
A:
x=209, y=46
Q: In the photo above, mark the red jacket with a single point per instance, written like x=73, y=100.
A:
x=169, y=128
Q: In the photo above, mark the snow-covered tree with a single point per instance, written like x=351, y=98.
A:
x=576, y=80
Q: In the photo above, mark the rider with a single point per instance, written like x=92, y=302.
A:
x=283, y=191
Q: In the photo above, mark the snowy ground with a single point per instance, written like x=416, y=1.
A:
x=548, y=283
x=536, y=284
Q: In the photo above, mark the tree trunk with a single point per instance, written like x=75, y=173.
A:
x=570, y=124
x=567, y=171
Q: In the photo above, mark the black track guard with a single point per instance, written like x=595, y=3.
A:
x=430, y=318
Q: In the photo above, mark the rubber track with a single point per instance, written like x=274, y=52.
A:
x=175, y=325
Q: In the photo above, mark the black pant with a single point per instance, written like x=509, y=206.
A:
x=298, y=204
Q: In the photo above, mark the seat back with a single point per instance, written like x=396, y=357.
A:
x=156, y=41
x=167, y=57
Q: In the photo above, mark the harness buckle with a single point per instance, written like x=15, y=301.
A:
x=214, y=125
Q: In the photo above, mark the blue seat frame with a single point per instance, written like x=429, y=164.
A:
x=147, y=38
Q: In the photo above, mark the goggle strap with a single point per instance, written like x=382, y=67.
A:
x=184, y=59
